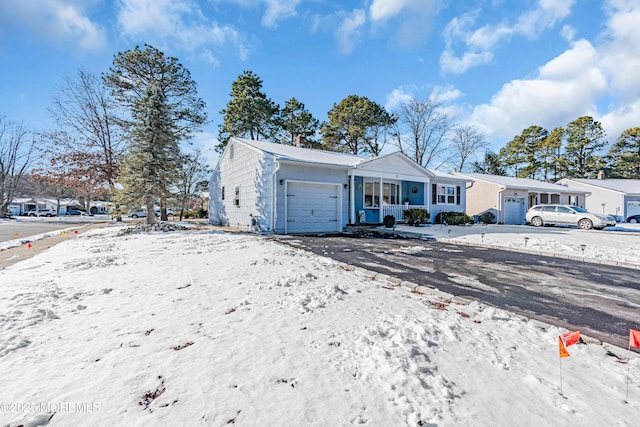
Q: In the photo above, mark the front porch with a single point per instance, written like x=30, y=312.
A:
x=373, y=198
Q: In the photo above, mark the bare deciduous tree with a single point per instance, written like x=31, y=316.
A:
x=465, y=142
x=16, y=151
x=422, y=129
x=86, y=113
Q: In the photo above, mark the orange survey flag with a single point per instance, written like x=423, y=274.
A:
x=634, y=338
x=563, y=349
x=571, y=338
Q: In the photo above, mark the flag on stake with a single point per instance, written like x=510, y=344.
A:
x=571, y=338
x=634, y=341
x=634, y=338
x=75, y=232
x=64, y=233
x=29, y=245
x=563, y=349
x=15, y=234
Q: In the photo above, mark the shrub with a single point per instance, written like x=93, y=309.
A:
x=453, y=218
x=416, y=217
x=487, y=218
x=389, y=221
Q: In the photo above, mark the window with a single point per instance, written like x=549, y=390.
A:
x=371, y=194
x=390, y=193
x=236, y=199
x=445, y=194
x=222, y=193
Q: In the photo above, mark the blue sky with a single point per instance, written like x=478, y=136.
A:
x=502, y=65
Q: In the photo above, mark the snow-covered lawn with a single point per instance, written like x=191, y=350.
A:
x=207, y=328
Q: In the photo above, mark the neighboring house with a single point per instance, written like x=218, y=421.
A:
x=22, y=205
x=617, y=197
x=291, y=189
x=508, y=198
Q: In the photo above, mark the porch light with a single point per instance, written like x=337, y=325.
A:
x=346, y=186
x=282, y=182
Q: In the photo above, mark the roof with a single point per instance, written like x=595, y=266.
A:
x=628, y=186
x=521, y=183
x=306, y=155
x=309, y=155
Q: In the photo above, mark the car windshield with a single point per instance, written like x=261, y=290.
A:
x=577, y=209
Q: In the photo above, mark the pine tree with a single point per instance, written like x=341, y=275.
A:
x=154, y=154
x=585, y=139
x=296, y=120
x=249, y=113
x=624, y=156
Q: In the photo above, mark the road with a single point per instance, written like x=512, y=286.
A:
x=29, y=227
x=601, y=301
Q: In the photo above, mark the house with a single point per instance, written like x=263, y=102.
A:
x=617, y=197
x=292, y=189
x=508, y=198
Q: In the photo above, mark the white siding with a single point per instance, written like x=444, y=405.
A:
x=251, y=171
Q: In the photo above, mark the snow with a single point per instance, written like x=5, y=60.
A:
x=207, y=328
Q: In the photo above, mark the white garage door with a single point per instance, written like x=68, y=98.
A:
x=312, y=207
x=633, y=208
x=513, y=211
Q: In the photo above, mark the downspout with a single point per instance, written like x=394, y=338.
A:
x=274, y=196
x=499, y=206
x=352, y=202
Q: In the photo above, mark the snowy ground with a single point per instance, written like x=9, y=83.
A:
x=208, y=328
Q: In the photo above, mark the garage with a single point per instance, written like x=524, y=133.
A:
x=312, y=207
x=513, y=212
x=633, y=208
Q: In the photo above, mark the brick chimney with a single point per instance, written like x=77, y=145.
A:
x=601, y=175
x=300, y=141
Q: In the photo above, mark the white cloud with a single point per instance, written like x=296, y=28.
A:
x=450, y=63
x=278, y=10
x=396, y=98
x=385, y=9
x=478, y=44
x=58, y=22
x=565, y=88
x=179, y=23
x=349, y=30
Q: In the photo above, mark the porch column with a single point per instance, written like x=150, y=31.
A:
x=352, y=201
x=380, y=202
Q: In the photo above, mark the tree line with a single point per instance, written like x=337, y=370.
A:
x=574, y=151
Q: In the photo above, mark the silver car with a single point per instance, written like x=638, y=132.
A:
x=539, y=215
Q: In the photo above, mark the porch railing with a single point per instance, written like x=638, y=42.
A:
x=398, y=210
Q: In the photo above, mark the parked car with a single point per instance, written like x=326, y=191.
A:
x=634, y=219
x=141, y=213
x=75, y=212
x=540, y=215
x=42, y=212
x=169, y=212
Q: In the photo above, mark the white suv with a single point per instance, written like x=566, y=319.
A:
x=564, y=214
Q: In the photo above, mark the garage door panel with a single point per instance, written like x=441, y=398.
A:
x=513, y=209
x=633, y=208
x=312, y=207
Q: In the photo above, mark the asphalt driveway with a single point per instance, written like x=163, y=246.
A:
x=601, y=301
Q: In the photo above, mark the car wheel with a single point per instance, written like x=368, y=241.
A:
x=536, y=221
x=633, y=220
x=585, y=224
x=134, y=216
